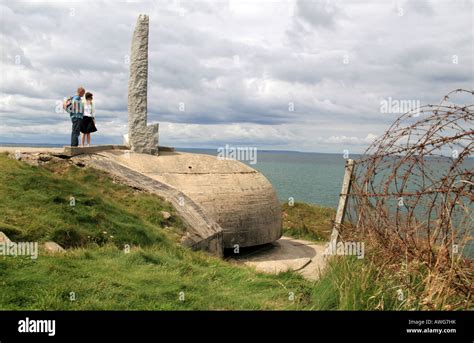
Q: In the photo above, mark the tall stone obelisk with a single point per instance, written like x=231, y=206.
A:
x=141, y=138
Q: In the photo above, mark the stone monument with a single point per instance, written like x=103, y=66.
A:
x=141, y=137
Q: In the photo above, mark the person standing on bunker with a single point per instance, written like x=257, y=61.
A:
x=88, y=121
x=76, y=114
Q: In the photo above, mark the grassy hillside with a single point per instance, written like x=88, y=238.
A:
x=76, y=207
x=35, y=206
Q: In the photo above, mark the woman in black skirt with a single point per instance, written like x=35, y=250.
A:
x=88, y=122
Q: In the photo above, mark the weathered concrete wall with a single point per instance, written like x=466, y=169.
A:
x=142, y=138
x=238, y=198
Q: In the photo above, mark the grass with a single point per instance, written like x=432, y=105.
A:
x=77, y=207
x=158, y=272
x=151, y=278
x=307, y=221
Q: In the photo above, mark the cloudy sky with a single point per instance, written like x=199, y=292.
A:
x=289, y=75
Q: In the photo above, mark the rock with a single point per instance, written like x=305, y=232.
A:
x=53, y=248
x=142, y=138
x=166, y=215
x=36, y=158
x=45, y=157
x=4, y=238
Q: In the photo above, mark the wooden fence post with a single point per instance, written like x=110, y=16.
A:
x=341, y=208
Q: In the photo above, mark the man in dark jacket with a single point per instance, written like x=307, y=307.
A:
x=76, y=116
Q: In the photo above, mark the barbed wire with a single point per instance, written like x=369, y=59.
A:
x=412, y=190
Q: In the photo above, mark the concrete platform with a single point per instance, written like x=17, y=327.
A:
x=76, y=150
x=302, y=256
x=73, y=151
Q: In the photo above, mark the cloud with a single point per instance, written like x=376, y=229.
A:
x=421, y=7
x=319, y=14
x=352, y=140
x=303, y=75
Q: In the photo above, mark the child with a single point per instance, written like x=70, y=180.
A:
x=88, y=123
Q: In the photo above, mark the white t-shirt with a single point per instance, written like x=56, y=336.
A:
x=89, y=109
